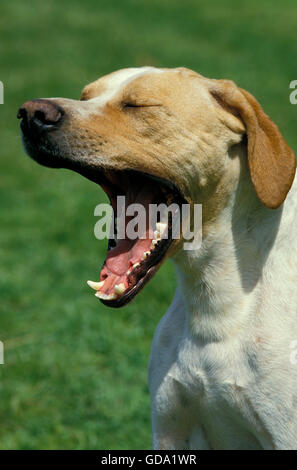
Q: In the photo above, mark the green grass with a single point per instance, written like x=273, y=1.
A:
x=75, y=371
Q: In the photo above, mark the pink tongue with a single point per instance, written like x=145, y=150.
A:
x=128, y=252
x=117, y=260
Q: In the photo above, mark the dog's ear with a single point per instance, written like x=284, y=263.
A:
x=271, y=161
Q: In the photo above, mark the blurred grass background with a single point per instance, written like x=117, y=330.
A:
x=75, y=372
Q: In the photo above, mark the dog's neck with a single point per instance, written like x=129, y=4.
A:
x=217, y=281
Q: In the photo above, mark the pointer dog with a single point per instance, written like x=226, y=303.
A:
x=220, y=372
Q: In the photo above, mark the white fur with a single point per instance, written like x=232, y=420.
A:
x=114, y=83
x=220, y=372
x=118, y=80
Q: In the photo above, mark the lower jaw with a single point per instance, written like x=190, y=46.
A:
x=131, y=293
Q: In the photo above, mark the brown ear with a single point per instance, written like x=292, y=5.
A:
x=272, y=162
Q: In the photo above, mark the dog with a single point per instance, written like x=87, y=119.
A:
x=221, y=374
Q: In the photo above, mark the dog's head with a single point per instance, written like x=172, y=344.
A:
x=158, y=136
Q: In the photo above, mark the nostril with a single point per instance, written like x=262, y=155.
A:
x=40, y=116
x=40, y=113
x=47, y=115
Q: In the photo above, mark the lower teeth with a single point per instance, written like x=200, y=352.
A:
x=119, y=289
x=102, y=296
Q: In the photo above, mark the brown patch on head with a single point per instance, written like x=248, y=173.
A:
x=271, y=161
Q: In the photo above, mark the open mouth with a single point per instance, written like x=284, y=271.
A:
x=131, y=262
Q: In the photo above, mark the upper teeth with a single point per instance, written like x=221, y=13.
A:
x=95, y=285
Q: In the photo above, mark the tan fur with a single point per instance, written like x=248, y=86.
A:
x=271, y=161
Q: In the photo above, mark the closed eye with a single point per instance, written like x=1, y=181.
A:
x=140, y=105
x=132, y=105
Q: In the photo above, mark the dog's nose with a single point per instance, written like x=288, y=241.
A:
x=40, y=114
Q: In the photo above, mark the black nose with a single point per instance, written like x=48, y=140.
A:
x=40, y=114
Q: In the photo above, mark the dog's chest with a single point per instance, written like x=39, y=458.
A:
x=211, y=372
x=209, y=385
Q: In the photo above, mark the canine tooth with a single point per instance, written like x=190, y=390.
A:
x=119, y=288
x=95, y=285
x=135, y=265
